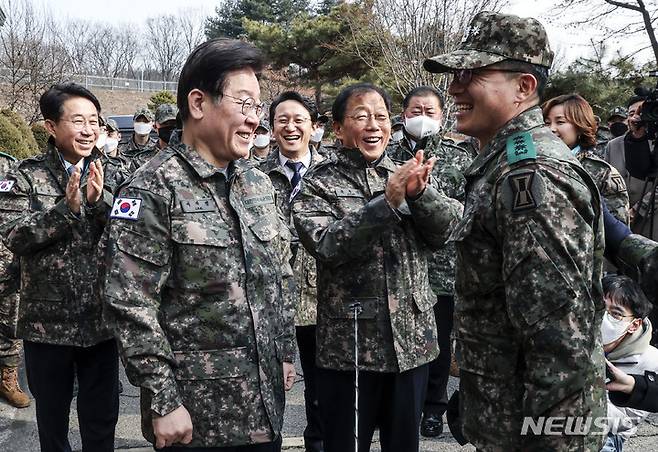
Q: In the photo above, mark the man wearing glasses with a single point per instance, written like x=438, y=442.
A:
x=52, y=212
x=529, y=302
x=199, y=283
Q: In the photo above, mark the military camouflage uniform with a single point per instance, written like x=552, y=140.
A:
x=198, y=294
x=609, y=182
x=529, y=302
x=303, y=264
x=164, y=113
x=529, y=257
x=130, y=149
x=59, y=298
x=368, y=252
x=451, y=162
x=9, y=283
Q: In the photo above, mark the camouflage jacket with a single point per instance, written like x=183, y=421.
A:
x=140, y=156
x=530, y=242
x=451, y=162
x=609, y=182
x=59, y=298
x=369, y=253
x=129, y=149
x=199, y=295
x=303, y=264
x=9, y=270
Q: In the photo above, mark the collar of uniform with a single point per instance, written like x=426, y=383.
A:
x=198, y=164
x=529, y=119
x=353, y=157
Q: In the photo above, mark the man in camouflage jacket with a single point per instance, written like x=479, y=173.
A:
x=199, y=286
x=52, y=214
x=10, y=349
x=423, y=106
x=529, y=250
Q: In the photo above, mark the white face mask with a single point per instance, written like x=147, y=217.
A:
x=422, y=126
x=612, y=329
x=317, y=135
x=397, y=136
x=262, y=140
x=142, y=128
x=102, y=139
x=111, y=144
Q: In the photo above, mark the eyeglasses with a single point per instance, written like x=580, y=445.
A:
x=364, y=118
x=283, y=121
x=80, y=123
x=464, y=76
x=617, y=315
x=248, y=105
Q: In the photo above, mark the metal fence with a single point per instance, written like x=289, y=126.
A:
x=111, y=83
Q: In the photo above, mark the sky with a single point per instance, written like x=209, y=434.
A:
x=569, y=43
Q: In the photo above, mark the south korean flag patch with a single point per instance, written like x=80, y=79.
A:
x=126, y=208
x=6, y=185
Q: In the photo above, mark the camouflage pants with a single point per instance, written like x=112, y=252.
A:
x=10, y=350
x=510, y=376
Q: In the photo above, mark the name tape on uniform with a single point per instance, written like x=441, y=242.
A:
x=6, y=185
x=126, y=208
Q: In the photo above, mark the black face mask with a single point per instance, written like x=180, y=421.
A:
x=618, y=128
x=165, y=133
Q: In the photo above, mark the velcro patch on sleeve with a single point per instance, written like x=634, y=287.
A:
x=126, y=208
x=6, y=185
x=523, y=191
x=520, y=147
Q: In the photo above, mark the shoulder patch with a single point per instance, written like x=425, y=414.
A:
x=520, y=147
x=126, y=208
x=522, y=191
x=6, y=185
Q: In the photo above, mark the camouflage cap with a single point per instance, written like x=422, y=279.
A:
x=166, y=112
x=111, y=125
x=495, y=37
x=263, y=125
x=397, y=121
x=143, y=111
x=102, y=121
x=618, y=111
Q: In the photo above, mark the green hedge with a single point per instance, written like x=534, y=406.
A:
x=16, y=137
x=41, y=135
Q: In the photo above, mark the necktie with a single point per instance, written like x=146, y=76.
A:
x=297, y=176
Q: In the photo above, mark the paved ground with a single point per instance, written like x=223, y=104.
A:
x=18, y=431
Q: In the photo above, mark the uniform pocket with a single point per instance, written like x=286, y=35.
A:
x=143, y=247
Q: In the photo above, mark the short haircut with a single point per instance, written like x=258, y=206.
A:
x=422, y=91
x=308, y=104
x=539, y=72
x=52, y=101
x=340, y=104
x=209, y=63
x=579, y=113
x=633, y=100
x=623, y=291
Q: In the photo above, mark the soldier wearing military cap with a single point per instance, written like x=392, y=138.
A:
x=397, y=134
x=261, y=145
x=529, y=250
x=165, y=123
x=141, y=137
x=618, y=121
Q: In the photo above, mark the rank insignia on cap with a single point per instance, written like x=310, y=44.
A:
x=520, y=147
x=6, y=185
x=126, y=208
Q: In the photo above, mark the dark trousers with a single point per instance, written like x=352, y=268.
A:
x=436, y=401
x=50, y=370
x=391, y=401
x=274, y=446
x=306, y=344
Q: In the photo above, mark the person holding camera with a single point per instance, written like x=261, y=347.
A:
x=632, y=155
